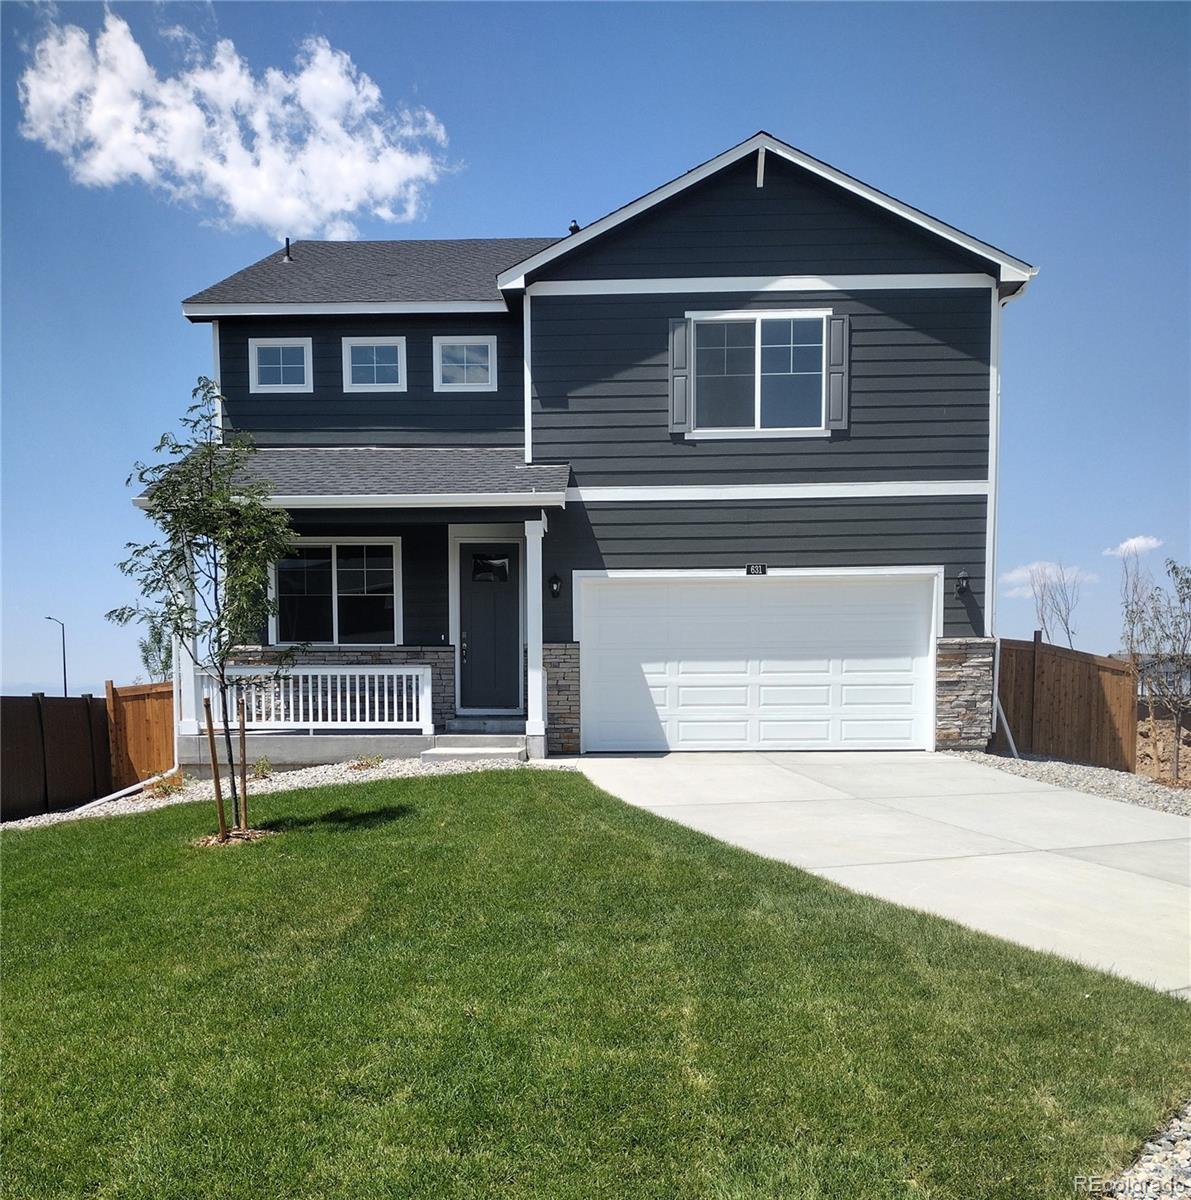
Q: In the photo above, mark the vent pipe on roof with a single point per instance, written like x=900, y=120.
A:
x=286, y=256
x=573, y=227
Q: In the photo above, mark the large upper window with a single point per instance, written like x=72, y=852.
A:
x=465, y=364
x=279, y=365
x=344, y=593
x=374, y=364
x=761, y=372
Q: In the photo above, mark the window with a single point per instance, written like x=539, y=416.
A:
x=279, y=365
x=343, y=593
x=759, y=373
x=374, y=364
x=465, y=364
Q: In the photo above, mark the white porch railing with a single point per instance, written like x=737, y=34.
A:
x=320, y=698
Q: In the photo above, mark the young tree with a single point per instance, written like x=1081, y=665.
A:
x=1165, y=648
x=1040, y=587
x=204, y=580
x=1063, y=595
x=157, y=652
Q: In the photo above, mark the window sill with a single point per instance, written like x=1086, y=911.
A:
x=713, y=435
x=375, y=389
x=465, y=387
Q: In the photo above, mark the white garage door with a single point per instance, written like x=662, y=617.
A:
x=805, y=663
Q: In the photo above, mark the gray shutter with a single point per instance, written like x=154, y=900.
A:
x=839, y=354
x=680, y=376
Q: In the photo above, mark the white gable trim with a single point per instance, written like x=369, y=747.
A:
x=755, y=283
x=1013, y=270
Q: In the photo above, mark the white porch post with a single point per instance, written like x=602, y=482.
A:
x=187, y=687
x=535, y=700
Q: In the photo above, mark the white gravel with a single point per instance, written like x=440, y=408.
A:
x=1164, y=1168
x=1098, y=781
x=196, y=790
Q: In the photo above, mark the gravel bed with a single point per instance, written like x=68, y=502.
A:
x=1098, y=781
x=1164, y=1168
x=196, y=790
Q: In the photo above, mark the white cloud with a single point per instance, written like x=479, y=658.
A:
x=299, y=153
x=1143, y=543
x=1016, y=583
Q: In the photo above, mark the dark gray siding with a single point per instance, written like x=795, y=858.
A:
x=919, y=407
x=419, y=416
x=917, y=531
x=797, y=224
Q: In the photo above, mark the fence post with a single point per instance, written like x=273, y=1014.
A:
x=114, y=739
x=1035, y=724
x=87, y=697
x=45, y=779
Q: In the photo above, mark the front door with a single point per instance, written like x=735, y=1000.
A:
x=489, y=626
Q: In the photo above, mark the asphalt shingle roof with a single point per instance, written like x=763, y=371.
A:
x=401, y=471
x=375, y=272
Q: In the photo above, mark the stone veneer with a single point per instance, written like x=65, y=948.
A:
x=440, y=660
x=561, y=663
x=964, y=693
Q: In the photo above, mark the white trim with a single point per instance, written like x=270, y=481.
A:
x=761, y=167
x=215, y=380
x=464, y=339
x=915, y=571
x=373, y=340
x=757, y=283
x=335, y=643
x=994, y=445
x=779, y=491
x=421, y=500
x=527, y=359
x=535, y=720
x=757, y=430
x=1013, y=270
x=458, y=535
x=344, y=308
x=255, y=344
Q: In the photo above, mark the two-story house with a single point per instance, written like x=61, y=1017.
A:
x=717, y=471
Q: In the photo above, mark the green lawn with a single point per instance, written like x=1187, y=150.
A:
x=512, y=985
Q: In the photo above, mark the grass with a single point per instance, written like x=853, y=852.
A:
x=509, y=984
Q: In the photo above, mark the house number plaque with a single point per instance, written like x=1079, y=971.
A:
x=756, y=569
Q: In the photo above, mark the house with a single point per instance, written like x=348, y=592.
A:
x=717, y=471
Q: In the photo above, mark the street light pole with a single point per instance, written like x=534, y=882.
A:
x=63, y=628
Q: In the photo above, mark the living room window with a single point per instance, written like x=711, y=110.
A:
x=759, y=374
x=280, y=365
x=465, y=364
x=343, y=593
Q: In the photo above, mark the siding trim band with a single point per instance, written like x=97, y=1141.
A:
x=780, y=491
x=758, y=283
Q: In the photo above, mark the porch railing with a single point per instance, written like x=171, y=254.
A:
x=318, y=698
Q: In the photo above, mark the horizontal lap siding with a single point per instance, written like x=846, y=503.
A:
x=418, y=416
x=919, y=391
x=916, y=531
x=797, y=224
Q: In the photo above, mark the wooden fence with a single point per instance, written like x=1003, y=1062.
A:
x=1066, y=704
x=58, y=752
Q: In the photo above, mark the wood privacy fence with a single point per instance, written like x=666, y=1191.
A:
x=1067, y=704
x=57, y=752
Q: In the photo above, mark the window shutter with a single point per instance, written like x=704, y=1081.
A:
x=680, y=376
x=839, y=354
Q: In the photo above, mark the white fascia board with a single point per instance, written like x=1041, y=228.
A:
x=427, y=500
x=1012, y=269
x=780, y=491
x=757, y=283
x=210, y=311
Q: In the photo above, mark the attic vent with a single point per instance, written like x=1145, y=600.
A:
x=286, y=256
x=573, y=227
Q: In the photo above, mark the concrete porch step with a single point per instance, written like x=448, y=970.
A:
x=503, y=751
x=464, y=740
x=490, y=725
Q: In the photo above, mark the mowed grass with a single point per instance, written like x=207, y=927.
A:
x=510, y=984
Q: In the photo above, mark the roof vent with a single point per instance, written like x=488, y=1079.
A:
x=286, y=256
x=573, y=227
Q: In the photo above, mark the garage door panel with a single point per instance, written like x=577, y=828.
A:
x=777, y=663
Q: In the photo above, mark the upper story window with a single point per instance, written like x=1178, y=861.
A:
x=280, y=365
x=760, y=373
x=465, y=364
x=374, y=364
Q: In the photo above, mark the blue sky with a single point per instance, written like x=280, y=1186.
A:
x=1059, y=132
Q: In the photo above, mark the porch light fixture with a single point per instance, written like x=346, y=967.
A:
x=961, y=585
x=555, y=587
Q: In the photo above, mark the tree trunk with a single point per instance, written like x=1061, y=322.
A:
x=231, y=758
x=1178, y=739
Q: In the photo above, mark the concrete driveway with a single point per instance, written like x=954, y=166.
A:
x=1096, y=880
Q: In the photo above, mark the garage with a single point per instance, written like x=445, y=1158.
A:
x=784, y=661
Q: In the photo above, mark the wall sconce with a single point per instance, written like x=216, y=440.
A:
x=555, y=587
x=961, y=585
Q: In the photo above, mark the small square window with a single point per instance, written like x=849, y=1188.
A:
x=463, y=364
x=374, y=364
x=279, y=365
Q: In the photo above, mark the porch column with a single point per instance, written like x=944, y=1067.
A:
x=535, y=699
x=186, y=676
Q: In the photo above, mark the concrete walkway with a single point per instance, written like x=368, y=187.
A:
x=1096, y=880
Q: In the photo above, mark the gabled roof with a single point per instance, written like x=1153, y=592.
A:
x=1012, y=270
x=391, y=276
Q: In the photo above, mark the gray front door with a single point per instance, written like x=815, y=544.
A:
x=489, y=625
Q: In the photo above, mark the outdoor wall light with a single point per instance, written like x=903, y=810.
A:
x=555, y=587
x=961, y=585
